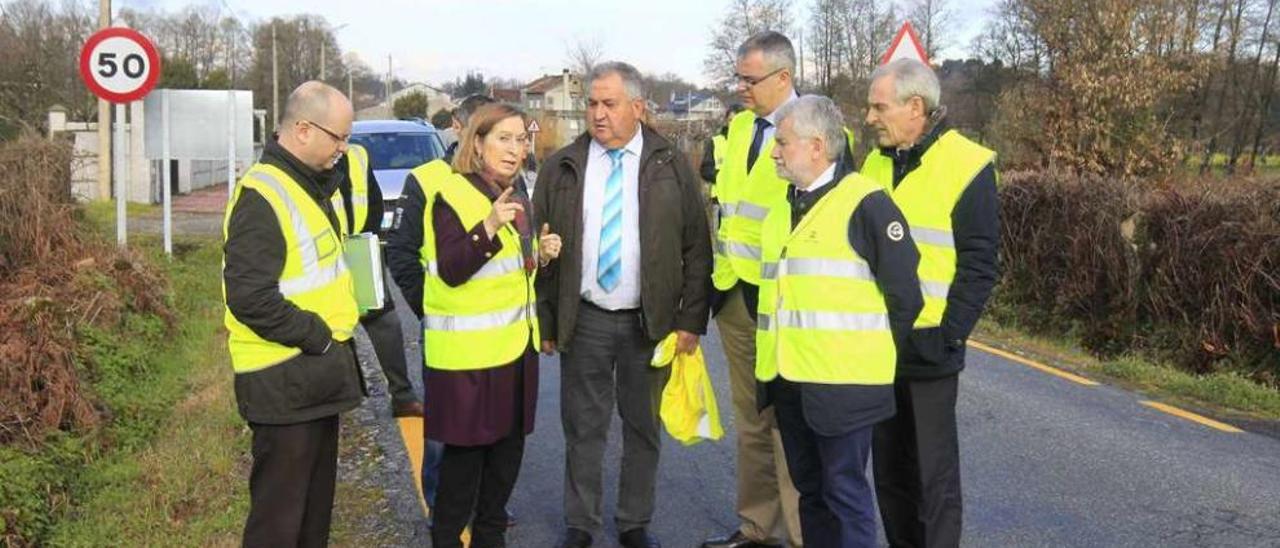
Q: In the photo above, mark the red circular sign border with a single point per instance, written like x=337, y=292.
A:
x=153, y=57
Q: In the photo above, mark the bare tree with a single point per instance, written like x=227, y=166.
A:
x=933, y=20
x=828, y=42
x=39, y=46
x=583, y=54
x=742, y=19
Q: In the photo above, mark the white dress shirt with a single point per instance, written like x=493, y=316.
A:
x=627, y=294
x=824, y=179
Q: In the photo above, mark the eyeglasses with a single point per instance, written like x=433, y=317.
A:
x=335, y=136
x=752, y=81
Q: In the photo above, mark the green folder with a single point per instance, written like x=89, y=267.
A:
x=364, y=260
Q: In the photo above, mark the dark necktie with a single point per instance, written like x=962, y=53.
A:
x=757, y=141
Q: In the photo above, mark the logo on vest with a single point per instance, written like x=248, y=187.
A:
x=895, y=231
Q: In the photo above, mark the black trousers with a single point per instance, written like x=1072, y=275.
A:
x=830, y=472
x=478, y=478
x=917, y=465
x=291, y=485
x=387, y=339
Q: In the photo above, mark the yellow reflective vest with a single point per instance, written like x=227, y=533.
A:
x=822, y=318
x=358, y=174
x=489, y=320
x=718, y=144
x=314, y=277
x=745, y=197
x=927, y=197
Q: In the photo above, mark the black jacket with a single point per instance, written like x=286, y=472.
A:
x=675, y=249
x=975, y=224
x=708, y=170
x=836, y=409
x=324, y=380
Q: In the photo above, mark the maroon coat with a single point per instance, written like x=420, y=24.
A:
x=478, y=407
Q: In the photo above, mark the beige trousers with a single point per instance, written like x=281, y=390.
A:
x=768, y=503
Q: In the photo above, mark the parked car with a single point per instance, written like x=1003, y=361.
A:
x=395, y=148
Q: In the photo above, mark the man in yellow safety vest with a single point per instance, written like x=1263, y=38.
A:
x=838, y=288
x=945, y=185
x=290, y=312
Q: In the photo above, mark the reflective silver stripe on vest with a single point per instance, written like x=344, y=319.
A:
x=493, y=268
x=359, y=200
x=837, y=268
x=937, y=290
x=768, y=271
x=741, y=250
x=840, y=321
x=313, y=275
x=478, y=322
x=744, y=209
x=312, y=280
x=933, y=236
x=763, y=321
x=752, y=211
x=306, y=240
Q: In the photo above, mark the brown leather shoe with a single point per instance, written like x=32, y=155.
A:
x=408, y=409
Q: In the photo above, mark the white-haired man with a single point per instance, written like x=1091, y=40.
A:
x=838, y=290
x=945, y=185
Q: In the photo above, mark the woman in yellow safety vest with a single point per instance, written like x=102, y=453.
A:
x=480, y=251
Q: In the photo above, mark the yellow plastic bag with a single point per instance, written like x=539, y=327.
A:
x=689, y=409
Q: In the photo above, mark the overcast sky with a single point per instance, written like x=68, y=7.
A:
x=436, y=41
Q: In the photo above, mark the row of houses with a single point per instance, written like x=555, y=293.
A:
x=560, y=98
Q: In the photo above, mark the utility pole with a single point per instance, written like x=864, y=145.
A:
x=104, y=120
x=388, y=79
x=275, y=82
x=350, y=89
x=322, y=48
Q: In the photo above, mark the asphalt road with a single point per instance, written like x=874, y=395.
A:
x=1046, y=462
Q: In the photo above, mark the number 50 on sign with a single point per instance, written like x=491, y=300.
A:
x=119, y=65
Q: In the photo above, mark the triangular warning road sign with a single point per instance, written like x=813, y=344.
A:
x=533, y=126
x=905, y=45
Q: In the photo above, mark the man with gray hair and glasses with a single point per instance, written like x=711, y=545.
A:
x=746, y=186
x=945, y=185
x=622, y=196
x=838, y=290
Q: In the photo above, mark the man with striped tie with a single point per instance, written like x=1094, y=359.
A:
x=621, y=196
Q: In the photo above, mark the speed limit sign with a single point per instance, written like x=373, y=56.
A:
x=119, y=64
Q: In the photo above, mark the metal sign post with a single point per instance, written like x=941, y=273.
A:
x=231, y=142
x=119, y=65
x=166, y=175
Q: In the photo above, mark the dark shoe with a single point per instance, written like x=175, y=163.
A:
x=511, y=518
x=638, y=538
x=575, y=538
x=736, y=540
x=408, y=409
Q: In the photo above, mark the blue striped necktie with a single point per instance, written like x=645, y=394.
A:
x=609, y=264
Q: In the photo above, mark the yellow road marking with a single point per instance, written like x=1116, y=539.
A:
x=412, y=435
x=1033, y=364
x=1182, y=413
